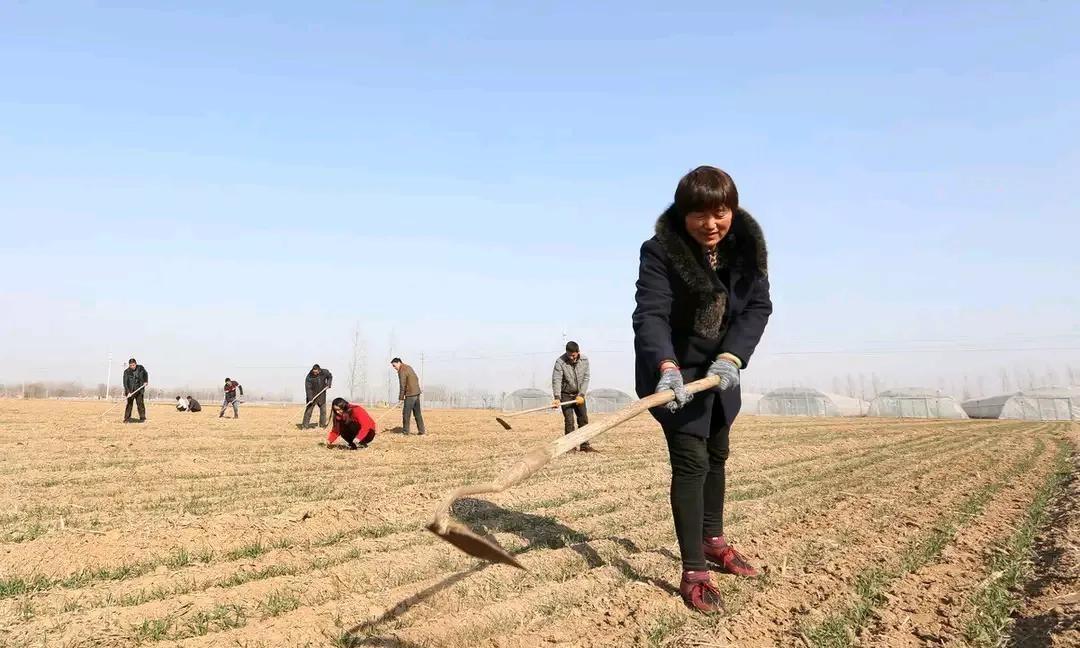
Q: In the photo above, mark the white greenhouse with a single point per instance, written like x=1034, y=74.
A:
x=524, y=399
x=806, y=401
x=915, y=403
x=750, y=402
x=1045, y=404
x=607, y=400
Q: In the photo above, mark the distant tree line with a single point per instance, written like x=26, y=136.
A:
x=71, y=389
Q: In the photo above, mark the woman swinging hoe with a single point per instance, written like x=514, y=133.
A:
x=702, y=306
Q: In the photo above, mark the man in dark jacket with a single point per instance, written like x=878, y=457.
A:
x=231, y=387
x=570, y=382
x=409, y=395
x=135, y=382
x=316, y=384
x=193, y=405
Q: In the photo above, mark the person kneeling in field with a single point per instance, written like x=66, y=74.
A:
x=352, y=423
x=181, y=405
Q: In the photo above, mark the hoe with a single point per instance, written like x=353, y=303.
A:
x=488, y=549
x=580, y=400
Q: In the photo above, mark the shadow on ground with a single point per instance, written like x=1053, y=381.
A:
x=485, y=518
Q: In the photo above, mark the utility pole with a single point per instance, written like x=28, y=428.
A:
x=108, y=376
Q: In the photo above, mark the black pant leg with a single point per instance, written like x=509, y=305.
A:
x=715, y=481
x=689, y=467
x=582, y=415
x=418, y=414
x=406, y=413
x=349, y=432
x=141, y=404
x=127, y=407
x=570, y=412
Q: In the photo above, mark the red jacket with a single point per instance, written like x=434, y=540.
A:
x=356, y=414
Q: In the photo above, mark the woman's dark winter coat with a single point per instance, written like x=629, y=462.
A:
x=689, y=313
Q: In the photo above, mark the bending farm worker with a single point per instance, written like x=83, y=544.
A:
x=351, y=423
x=316, y=384
x=409, y=396
x=230, y=389
x=702, y=306
x=135, y=382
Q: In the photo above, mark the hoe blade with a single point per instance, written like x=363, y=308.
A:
x=461, y=537
x=502, y=422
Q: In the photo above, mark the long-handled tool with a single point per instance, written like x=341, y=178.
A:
x=379, y=421
x=506, y=426
x=315, y=398
x=464, y=539
x=126, y=399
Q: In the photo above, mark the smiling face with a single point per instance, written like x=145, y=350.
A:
x=708, y=228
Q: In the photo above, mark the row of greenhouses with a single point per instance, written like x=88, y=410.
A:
x=1047, y=404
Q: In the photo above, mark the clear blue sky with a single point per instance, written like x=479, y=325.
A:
x=214, y=189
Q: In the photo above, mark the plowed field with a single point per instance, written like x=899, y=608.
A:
x=190, y=530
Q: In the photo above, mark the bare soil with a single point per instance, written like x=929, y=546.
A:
x=190, y=530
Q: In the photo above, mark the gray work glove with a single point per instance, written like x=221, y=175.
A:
x=672, y=379
x=728, y=372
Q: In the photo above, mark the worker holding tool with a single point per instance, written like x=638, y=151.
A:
x=316, y=384
x=231, y=387
x=702, y=306
x=135, y=382
x=352, y=423
x=409, y=396
x=570, y=382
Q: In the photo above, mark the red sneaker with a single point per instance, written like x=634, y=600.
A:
x=718, y=551
x=699, y=593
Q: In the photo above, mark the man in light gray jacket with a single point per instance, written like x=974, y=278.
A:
x=570, y=382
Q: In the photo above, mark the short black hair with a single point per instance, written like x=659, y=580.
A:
x=132, y=361
x=228, y=379
x=177, y=398
x=398, y=360
x=572, y=347
x=704, y=189
x=188, y=396
x=315, y=366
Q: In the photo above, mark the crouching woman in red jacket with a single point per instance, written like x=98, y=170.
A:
x=352, y=423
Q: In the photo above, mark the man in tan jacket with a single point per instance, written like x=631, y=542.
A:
x=409, y=394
